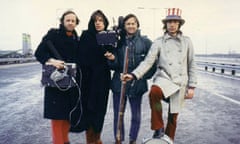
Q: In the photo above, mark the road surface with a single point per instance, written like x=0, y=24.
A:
x=212, y=117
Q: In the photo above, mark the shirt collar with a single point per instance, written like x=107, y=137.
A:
x=167, y=37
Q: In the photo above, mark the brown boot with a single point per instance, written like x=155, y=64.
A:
x=99, y=142
x=98, y=138
x=90, y=136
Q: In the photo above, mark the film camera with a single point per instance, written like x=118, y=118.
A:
x=110, y=38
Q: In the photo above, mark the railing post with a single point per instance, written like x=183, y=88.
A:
x=233, y=72
x=222, y=70
x=213, y=69
x=206, y=68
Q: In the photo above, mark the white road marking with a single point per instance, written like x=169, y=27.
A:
x=219, y=95
x=227, y=98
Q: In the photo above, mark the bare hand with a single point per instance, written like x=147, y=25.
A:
x=126, y=77
x=109, y=56
x=59, y=64
x=190, y=93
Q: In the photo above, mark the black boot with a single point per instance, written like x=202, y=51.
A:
x=158, y=133
x=132, y=142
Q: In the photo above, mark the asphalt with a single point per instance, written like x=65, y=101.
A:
x=211, y=117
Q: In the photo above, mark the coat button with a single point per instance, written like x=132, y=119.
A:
x=179, y=62
x=170, y=63
x=179, y=50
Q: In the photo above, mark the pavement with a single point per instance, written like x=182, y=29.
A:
x=211, y=117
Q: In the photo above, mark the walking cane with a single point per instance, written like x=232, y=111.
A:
x=122, y=100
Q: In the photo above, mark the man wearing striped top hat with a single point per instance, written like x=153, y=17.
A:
x=175, y=78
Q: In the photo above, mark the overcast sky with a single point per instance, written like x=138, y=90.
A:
x=213, y=25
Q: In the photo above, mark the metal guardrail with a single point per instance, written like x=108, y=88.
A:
x=4, y=61
x=222, y=68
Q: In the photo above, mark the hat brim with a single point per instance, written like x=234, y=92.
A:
x=182, y=21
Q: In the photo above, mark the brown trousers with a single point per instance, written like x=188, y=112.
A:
x=92, y=137
x=155, y=97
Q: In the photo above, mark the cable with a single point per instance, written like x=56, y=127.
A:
x=78, y=101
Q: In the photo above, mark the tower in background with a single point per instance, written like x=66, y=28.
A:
x=26, y=44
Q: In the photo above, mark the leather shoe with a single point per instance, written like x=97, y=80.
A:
x=158, y=133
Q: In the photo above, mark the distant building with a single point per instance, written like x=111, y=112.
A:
x=26, y=49
x=26, y=44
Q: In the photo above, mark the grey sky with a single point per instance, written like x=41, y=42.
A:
x=213, y=25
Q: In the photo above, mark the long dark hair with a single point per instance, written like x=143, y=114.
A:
x=166, y=31
x=91, y=23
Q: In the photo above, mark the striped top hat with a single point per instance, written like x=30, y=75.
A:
x=174, y=14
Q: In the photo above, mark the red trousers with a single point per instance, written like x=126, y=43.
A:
x=60, y=130
x=155, y=97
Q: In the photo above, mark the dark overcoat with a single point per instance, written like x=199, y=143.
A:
x=58, y=104
x=96, y=79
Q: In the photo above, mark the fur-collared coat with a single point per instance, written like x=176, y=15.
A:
x=58, y=104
